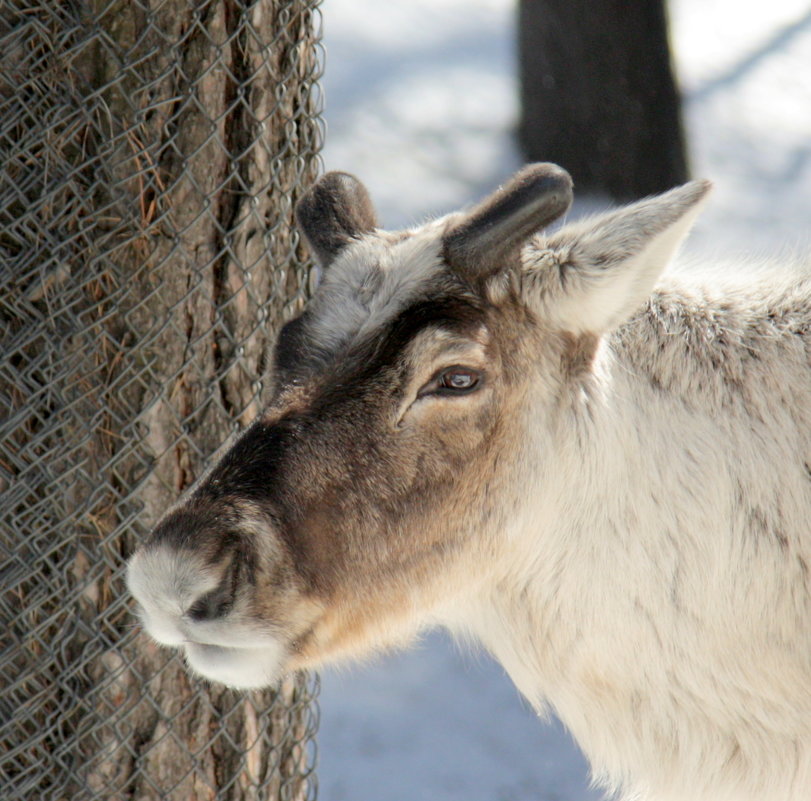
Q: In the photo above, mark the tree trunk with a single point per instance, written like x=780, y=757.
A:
x=152, y=154
x=598, y=95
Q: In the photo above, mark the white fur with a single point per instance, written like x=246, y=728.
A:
x=166, y=583
x=370, y=281
x=656, y=592
x=653, y=586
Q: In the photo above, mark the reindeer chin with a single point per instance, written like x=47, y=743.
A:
x=239, y=668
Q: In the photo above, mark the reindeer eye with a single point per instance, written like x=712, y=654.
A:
x=452, y=381
x=458, y=379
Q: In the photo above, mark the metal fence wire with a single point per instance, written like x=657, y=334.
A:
x=152, y=152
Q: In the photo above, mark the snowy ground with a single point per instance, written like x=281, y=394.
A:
x=421, y=102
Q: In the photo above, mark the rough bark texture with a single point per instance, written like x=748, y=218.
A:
x=152, y=153
x=598, y=94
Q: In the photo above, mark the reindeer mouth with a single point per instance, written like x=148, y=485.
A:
x=242, y=668
x=209, y=651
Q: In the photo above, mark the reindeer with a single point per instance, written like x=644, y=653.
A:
x=597, y=468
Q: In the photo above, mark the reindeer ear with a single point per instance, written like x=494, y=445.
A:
x=592, y=276
x=336, y=210
x=489, y=237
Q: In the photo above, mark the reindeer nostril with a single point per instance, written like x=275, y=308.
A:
x=218, y=602
x=210, y=607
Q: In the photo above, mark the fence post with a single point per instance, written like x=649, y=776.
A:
x=152, y=152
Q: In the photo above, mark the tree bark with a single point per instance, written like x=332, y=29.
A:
x=598, y=95
x=157, y=151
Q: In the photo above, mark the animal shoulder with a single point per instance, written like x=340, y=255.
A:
x=723, y=335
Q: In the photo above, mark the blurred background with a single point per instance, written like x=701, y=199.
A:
x=423, y=102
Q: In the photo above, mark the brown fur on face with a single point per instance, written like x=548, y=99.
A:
x=372, y=493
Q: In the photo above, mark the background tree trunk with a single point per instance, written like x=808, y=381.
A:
x=152, y=154
x=598, y=95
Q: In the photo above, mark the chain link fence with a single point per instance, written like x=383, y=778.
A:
x=152, y=152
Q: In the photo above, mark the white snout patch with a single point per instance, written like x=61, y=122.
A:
x=162, y=628
x=233, y=651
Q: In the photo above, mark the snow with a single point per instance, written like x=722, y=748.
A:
x=437, y=724
x=747, y=77
x=421, y=102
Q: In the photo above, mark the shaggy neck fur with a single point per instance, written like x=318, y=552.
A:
x=625, y=608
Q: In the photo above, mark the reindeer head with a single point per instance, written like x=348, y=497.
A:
x=410, y=428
